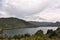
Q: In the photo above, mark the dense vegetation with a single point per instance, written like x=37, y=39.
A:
x=9, y=23
x=39, y=35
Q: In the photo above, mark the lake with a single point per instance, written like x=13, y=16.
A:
x=27, y=30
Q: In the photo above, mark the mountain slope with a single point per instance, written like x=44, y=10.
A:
x=8, y=23
x=40, y=23
x=45, y=24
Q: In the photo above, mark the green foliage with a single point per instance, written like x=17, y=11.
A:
x=27, y=35
x=58, y=32
x=39, y=33
x=51, y=33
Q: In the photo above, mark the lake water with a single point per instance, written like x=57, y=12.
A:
x=27, y=30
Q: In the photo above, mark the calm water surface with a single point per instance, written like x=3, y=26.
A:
x=27, y=30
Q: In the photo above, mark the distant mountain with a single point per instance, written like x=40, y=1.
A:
x=40, y=23
x=45, y=23
x=9, y=23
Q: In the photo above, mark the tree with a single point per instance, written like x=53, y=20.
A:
x=15, y=36
x=51, y=33
x=19, y=37
x=58, y=32
x=39, y=33
x=27, y=35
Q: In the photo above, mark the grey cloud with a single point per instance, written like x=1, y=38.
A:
x=54, y=6
x=0, y=4
x=49, y=6
x=12, y=10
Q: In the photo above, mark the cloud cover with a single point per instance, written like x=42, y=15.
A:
x=22, y=8
x=47, y=9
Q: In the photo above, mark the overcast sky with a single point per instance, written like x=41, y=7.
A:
x=47, y=9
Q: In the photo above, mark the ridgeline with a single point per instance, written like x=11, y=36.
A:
x=10, y=23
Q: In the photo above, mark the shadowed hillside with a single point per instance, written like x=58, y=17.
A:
x=8, y=23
